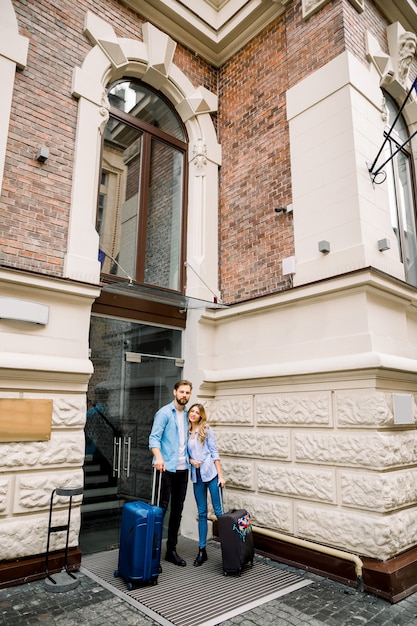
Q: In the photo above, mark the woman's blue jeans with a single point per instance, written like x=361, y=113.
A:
x=200, y=494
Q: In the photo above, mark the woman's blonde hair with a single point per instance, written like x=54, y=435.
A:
x=202, y=427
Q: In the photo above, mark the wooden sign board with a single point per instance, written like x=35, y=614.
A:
x=25, y=420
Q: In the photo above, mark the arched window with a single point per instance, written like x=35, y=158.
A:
x=141, y=206
x=401, y=191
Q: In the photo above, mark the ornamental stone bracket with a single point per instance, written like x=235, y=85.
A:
x=155, y=58
x=161, y=50
x=159, y=46
x=310, y=7
x=380, y=59
x=200, y=155
x=100, y=33
x=201, y=101
x=394, y=67
x=104, y=111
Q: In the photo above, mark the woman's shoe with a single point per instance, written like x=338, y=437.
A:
x=201, y=556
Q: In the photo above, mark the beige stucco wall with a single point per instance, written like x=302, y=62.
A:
x=336, y=128
x=43, y=362
x=300, y=390
x=300, y=386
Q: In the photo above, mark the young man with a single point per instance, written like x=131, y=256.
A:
x=168, y=443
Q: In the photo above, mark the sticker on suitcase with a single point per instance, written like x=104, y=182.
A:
x=243, y=526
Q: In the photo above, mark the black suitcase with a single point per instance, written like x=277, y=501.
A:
x=236, y=540
x=140, y=541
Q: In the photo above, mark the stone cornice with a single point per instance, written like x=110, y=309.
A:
x=403, y=11
x=217, y=29
x=213, y=29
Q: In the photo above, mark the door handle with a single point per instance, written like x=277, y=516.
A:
x=117, y=445
x=126, y=456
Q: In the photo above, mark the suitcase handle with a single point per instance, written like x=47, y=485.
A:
x=155, y=545
x=158, y=495
x=223, y=499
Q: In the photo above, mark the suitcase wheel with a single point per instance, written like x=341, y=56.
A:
x=236, y=573
x=154, y=581
x=129, y=586
x=116, y=573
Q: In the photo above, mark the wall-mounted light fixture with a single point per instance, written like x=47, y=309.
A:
x=288, y=266
x=281, y=209
x=383, y=244
x=24, y=311
x=324, y=246
x=402, y=404
x=43, y=154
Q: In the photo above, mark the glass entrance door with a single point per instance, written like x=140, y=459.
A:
x=135, y=368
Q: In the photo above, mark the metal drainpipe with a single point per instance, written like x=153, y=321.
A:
x=318, y=548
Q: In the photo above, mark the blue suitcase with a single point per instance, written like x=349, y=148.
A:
x=140, y=542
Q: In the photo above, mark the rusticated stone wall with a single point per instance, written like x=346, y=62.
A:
x=328, y=466
x=30, y=471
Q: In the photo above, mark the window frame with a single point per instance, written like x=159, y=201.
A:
x=394, y=142
x=150, y=133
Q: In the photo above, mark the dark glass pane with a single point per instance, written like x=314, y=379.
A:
x=135, y=368
x=119, y=221
x=406, y=207
x=400, y=125
x=164, y=217
x=400, y=192
x=147, y=106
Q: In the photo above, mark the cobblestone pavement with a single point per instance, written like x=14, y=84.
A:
x=90, y=604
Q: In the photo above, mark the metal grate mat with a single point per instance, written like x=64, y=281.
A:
x=191, y=596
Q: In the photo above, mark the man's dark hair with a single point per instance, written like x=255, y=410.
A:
x=182, y=382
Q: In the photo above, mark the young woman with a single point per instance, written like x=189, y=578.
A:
x=206, y=472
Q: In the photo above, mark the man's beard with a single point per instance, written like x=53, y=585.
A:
x=182, y=401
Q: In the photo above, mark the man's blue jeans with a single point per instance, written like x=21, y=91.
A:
x=200, y=494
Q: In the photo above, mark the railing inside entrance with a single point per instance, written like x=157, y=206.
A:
x=101, y=430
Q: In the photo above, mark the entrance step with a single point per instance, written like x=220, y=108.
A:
x=96, y=479
x=102, y=506
x=91, y=468
x=100, y=492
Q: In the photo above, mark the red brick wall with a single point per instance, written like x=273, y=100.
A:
x=255, y=173
x=35, y=200
x=356, y=26
x=255, y=176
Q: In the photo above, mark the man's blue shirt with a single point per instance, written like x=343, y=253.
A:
x=165, y=435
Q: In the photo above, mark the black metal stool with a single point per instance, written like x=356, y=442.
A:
x=68, y=492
